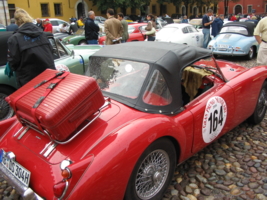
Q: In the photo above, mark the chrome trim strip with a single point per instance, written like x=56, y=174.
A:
x=75, y=135
x=23, y=133
x=18, y=131
x=65, y=190
x=26, y=192
x=50, y=149
x=46, y=146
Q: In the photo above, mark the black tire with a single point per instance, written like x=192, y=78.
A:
x=251, y=53
x=155, y=167
x=5, y=110
x=261, y=106
x=82, y=42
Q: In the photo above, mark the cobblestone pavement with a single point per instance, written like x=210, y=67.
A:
x=231, y=168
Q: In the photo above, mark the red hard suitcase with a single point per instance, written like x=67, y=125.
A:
x=72, y=100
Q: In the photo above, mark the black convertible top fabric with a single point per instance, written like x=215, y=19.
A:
x=168, y=58
x=248, y=25
x=167, y=55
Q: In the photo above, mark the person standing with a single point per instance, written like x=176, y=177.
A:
x=260, y=34
x=125, y=35
x=91, y=29
x=39, y=23
x=113, y=28
x=185, y=20
x=206, y=27
x=217, y=25
x=73, y=26
x=151, y=28
x=48, y=26
x=80, y=22
x=12, y=26
x=29, y=51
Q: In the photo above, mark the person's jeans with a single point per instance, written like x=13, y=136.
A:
x=151, y=38
x=123, y=41
x=206, y=34
x=92, y=42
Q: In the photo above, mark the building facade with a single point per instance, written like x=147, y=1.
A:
x=4, y=13
x=65, y=9
x=245, y=7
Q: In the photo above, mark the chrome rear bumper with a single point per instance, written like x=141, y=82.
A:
x=25, y=192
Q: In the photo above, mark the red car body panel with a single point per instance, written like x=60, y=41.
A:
x=136, y=35
x=105, y=153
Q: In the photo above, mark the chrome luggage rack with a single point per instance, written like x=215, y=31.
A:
x=30, y=125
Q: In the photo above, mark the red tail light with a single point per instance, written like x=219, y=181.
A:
x=60, y=188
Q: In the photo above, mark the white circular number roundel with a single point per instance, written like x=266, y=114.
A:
x=214, y=118
x=62, y=67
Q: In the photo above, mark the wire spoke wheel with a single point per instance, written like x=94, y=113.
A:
x=5, y=110
x=152, y=174
x=262, y=102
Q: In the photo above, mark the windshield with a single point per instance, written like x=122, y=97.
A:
x=120, y=77
x=234, y=29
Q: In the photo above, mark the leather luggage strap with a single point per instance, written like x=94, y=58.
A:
x=59, y=74
x=51, y=86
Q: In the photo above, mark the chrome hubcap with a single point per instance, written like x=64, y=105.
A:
x=251, y=52
x=152, y=174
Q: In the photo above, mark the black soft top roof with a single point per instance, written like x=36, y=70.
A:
x=167, y=55
x=248, y=25
x=168, y=58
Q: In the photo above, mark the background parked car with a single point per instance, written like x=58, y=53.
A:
x=2, y=27
x=56, y=22
x=100, y=19
x=180, y=33
x=77, y=38
x=235, y=39
x=72, y=58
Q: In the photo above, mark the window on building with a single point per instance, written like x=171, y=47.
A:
x=183, y=10
x=133, y=11
x=103, y=12
x=164, y=9
x=44, y=10
x=154, y=9
x=177, y=9
x=250, y=9
x=58, y=9
x=11, y=8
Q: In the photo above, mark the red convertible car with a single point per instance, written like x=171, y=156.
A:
x=163, y=103
x=135, y=30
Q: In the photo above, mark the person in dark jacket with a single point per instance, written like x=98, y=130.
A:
x=29, y=51
x=217, y=25
x=73, y=26
x=91, y=29
x=39, y=23
x=12, y=26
